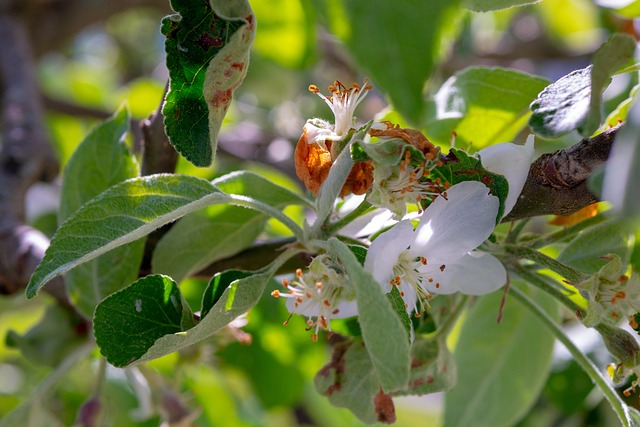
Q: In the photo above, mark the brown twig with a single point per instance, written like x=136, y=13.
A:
x=557, y=182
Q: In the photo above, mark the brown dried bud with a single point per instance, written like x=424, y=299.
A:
x=313, y=163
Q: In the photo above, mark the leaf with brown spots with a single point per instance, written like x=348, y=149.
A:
x=350, y=381
x=207, y=50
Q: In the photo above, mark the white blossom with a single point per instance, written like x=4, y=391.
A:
x=438, y=256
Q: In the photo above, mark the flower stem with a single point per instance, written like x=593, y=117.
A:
x=570, y=274
x=585, y=363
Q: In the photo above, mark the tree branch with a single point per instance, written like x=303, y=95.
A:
x=25, y=158
x=557, y=182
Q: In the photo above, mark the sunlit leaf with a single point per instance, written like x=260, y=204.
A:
x=472, y=103
x=285, y=33
x=399, y=45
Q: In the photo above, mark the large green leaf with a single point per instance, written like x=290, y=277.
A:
x=121, y=214
x=383, y=332
x=484, y=106
x=398, y=44
x=501, y=381
x=207, y=48
x=129, y=321
x=218, y=232
x=101, y=161
x=584, y=251
x=350, y=381
x=490, y=5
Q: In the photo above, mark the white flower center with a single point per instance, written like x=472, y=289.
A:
x=409, y=273
x=319, y=300
x=404, y=185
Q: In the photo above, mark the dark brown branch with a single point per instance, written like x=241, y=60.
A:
x=557, y=182
x=25, y=158
x=158, y=156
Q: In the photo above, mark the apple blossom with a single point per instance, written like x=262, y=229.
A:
x=321, y=294
x=437, y=256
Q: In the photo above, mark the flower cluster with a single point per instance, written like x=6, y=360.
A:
x=435, y=252
x=320, y=294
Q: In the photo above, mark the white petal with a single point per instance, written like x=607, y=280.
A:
x=384, y=252
x=368, y=223
x=409, y=296
x=513, y=162
x=449, y=228
x=476, y=273
x=346, y=309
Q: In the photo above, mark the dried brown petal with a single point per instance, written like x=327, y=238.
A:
x=313, y=163
x=412, y=136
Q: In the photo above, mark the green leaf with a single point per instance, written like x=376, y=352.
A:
x=610, y=237
x=101, y=161
x=218, y=232
x=458, y=166
x=207, y=50
x=499, y=382
x=287, y=32
x=398, y=305
x=491, y=5
x=217, y=285
x=399, y=45
x=239, y=296
x=382, y=330
x=615, y=53
x=129, y=321
x=350, y=381
x=432, y=368
x=473, y=104
x=121, y=214
x=575, y=100
x=562, y=106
